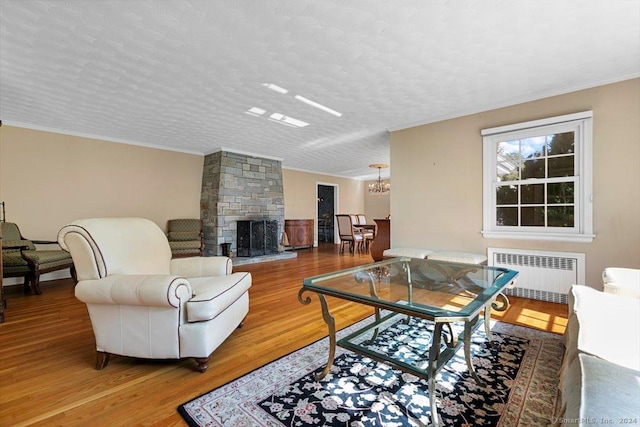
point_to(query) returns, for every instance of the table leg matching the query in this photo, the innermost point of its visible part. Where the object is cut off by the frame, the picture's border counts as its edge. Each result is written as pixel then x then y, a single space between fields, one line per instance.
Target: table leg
pixel 372 291
pixel 407 269
pixel 376 330
pixel 328 319
pixel 331 324
pixel 434 354
pixel 487 323
pixel 467 349
pixel 500 305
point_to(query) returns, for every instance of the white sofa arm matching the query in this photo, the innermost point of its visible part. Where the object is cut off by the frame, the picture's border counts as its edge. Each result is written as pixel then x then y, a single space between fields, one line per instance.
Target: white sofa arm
pixel 621 281
pixel 201 266
pixel 143 290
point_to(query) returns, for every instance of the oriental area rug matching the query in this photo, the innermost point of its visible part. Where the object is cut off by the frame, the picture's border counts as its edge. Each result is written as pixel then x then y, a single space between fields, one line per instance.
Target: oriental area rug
pixel 520 371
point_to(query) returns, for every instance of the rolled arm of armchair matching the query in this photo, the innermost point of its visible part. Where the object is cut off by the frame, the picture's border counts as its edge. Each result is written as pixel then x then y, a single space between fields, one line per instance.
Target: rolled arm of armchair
pixel 622 281
pixel 201 266
pixel 144 290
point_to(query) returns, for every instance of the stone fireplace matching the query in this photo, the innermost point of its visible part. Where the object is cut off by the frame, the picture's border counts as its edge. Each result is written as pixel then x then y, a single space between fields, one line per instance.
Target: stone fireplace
pixel 238 187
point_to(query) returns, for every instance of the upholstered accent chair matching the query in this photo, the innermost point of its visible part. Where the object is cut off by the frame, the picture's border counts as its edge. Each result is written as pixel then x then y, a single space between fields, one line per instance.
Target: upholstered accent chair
pixel 20 258
pixel 142 302
pixel 185 237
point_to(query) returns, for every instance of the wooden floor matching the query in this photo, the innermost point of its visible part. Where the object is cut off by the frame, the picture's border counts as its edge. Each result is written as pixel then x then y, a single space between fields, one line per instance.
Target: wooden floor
pixel 47 349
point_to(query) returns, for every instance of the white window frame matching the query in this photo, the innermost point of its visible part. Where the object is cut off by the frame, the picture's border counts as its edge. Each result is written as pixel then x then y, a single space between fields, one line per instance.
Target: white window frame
pixel 581 124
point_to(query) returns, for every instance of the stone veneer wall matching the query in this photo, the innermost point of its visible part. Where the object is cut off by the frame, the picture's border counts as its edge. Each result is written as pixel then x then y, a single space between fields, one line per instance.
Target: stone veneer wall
pixel 238 187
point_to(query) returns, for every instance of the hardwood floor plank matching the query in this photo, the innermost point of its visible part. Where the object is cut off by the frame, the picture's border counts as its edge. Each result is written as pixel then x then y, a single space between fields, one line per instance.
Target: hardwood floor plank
pixel 48 349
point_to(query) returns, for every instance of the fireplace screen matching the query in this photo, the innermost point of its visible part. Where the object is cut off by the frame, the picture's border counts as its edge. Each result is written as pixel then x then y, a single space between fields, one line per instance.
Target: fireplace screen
pixel 257 237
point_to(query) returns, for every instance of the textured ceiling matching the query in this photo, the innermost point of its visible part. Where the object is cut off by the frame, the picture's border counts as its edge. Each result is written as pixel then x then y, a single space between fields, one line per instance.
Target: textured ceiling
pixel 182 74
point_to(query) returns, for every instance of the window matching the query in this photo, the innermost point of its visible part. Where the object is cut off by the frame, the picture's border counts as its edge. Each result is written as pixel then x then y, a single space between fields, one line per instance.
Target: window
pixel 537 179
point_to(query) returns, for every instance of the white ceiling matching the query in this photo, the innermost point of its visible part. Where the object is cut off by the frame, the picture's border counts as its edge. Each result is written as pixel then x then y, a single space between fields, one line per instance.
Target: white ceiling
pixel 181 74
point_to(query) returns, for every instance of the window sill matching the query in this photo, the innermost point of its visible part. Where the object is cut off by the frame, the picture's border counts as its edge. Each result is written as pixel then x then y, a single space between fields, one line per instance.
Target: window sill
pixel 558 237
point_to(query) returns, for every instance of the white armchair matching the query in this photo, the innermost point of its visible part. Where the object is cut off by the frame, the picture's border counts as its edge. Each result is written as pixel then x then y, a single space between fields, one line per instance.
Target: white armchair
pixel 600 372
pixel 622 281
pixel 144 304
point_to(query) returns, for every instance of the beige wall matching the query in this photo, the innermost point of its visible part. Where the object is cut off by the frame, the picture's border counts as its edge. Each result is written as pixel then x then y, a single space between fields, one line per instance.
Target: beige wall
pixel 375 206
pixel 48 180
pixel 444 211
pixel 300 195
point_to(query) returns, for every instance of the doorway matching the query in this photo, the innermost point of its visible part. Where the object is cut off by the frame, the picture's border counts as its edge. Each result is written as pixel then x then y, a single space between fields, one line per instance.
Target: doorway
pixel 326 195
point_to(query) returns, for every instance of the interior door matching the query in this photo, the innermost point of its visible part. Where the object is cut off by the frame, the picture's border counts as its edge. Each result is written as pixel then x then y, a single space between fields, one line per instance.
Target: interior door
pixel 326 194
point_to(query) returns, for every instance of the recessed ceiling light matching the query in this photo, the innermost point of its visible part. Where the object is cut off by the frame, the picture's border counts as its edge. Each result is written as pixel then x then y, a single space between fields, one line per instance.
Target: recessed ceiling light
pixel 318 106
pixel 275 88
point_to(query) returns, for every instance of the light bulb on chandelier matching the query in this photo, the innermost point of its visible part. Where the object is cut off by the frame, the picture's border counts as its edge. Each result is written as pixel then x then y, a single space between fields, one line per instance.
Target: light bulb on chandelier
pixel 378 187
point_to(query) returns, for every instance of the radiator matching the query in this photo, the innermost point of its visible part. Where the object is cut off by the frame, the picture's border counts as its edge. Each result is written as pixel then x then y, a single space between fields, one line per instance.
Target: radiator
pixel 544 275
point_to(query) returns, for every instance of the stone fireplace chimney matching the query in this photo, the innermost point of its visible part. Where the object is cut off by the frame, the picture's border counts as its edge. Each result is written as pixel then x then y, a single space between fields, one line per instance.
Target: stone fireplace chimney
pixel 238 187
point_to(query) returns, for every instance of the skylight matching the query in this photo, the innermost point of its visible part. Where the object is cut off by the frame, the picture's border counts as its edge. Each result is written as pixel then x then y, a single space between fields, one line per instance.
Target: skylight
pixel 255 111
pixel 318 106
pixel 288 121
pixel 277 117
pixel 275 88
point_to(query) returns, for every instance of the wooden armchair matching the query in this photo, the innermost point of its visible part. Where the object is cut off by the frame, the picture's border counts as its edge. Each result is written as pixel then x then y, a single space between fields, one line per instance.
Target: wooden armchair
pixel 20 258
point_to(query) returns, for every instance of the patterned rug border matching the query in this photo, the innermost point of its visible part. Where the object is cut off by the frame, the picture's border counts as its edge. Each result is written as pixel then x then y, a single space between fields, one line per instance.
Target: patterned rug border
pixel 543 354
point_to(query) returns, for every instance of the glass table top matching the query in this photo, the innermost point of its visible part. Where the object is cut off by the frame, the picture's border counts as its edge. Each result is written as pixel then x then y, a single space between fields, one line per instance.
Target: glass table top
pixel 435 290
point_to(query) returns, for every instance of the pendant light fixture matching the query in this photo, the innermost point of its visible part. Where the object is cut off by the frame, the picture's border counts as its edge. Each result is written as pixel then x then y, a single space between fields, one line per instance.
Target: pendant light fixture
pixel 378 187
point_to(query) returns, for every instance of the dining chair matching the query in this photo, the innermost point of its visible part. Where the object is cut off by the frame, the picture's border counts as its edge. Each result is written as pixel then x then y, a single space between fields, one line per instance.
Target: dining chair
pixel 348 233
pixel 367 230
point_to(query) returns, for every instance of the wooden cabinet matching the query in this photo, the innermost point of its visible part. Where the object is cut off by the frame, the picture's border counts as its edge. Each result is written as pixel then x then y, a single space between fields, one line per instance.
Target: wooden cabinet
pixel 299 232
pixel 382 240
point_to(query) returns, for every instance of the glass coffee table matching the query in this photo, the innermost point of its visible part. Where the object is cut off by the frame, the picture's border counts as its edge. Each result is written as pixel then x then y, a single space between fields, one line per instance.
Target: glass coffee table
pixel 442 292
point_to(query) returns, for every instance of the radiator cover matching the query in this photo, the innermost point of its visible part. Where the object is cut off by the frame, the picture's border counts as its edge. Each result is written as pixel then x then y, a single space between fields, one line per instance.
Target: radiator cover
pixel 544 275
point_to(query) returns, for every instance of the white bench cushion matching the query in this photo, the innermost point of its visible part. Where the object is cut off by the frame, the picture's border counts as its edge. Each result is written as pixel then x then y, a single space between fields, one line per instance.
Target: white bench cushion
pixel 459 257
pixel 406 252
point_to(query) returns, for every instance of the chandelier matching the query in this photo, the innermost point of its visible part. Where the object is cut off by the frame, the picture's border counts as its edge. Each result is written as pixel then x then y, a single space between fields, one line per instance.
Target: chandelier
pixel 378 187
